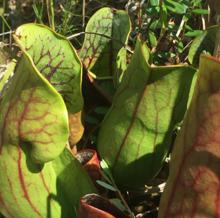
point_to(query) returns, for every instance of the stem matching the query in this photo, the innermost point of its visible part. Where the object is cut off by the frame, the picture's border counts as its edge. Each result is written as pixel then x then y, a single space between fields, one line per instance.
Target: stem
pixel 217 44
pixel 180 27
pixel 122 199
pixel 3 24
pixel 50 13
pixel 139 15
pixel 111 181
pixel 106 174
pixel 100 34
pixel 83 13
pixel 203 22
pixel 215 6
pixel 6 33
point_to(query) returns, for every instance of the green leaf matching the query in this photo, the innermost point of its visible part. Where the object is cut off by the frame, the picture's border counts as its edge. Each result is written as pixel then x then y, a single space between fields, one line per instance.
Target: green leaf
pixel 196 3
pixel 204 42
pixel 73 181
pixel 121 66
pixel 106 170
pixel 101 110
pixel 176 7
pixel 163 17
pixel 104 166
pixel 91 120
pixel 151 11
pixel 154 2
pixel 180 47
pixel 38 177
pixel 33 112
pixel 107 186
pixel 6 73
pixel 152 38
pixel 193 33
pixel 137 131
pixel 56 59
pixel 106 33
pixel 1 11
pixel 200 11
pixel 31 190
pixel 194 167
pixel 117 202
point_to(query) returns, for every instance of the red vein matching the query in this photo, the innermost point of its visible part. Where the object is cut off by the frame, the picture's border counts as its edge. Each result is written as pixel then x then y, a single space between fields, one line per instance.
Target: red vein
pixel 23 185
pixel 176 182
pixel 11 186
pixel 25 110
pixel 185 157
pixel 134 114
pixel 53 71
pixel 10 106
pixel 44 182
